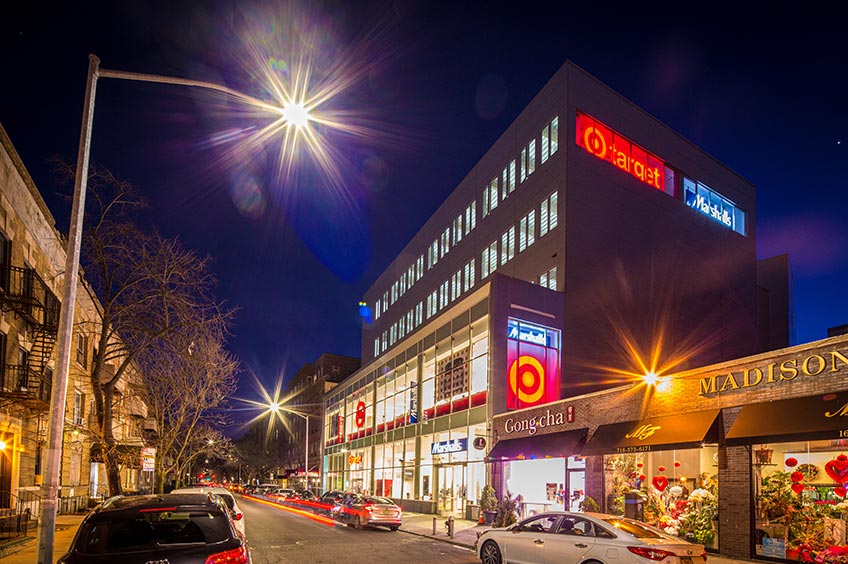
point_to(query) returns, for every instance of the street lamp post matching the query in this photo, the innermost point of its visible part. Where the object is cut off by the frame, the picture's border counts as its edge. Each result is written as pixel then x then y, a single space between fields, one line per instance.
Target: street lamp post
pixel 66 315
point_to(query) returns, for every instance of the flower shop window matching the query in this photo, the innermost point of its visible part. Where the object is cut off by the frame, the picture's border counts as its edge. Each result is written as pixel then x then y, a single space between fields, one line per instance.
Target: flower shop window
pixel 800 508
pixel 675 490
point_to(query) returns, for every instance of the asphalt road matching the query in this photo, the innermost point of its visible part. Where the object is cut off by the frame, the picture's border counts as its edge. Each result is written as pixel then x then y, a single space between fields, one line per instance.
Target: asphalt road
pixel 280 536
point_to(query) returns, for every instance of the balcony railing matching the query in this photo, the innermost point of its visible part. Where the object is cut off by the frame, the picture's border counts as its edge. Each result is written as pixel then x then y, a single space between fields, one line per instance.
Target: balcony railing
pixel 22 384
pixel 23 290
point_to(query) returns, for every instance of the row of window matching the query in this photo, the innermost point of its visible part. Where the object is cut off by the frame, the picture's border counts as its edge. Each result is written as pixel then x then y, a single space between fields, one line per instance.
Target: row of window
pixel 464 223
pixel 464 279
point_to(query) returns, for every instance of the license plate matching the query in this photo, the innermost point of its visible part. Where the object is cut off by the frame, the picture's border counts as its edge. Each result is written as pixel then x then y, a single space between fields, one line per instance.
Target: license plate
pixel 389 512
pixel 686 559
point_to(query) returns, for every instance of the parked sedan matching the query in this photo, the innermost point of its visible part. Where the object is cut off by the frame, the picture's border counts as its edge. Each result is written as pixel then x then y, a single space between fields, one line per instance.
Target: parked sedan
pixel 174 528
pixel 368 511
pixel 562 536
pixel 230 501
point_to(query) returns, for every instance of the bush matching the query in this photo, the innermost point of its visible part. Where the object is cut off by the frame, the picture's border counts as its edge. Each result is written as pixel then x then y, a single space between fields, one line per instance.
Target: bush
pixel 507 513
pixel 488 499
pixel 589 505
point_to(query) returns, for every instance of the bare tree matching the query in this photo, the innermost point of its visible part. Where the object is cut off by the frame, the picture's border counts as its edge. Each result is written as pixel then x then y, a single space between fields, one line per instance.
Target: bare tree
pixel 187 381
pixel 150 289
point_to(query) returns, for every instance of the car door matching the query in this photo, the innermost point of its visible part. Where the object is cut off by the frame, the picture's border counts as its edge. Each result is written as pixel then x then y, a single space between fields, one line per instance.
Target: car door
pixel 572 539
pixel 526 542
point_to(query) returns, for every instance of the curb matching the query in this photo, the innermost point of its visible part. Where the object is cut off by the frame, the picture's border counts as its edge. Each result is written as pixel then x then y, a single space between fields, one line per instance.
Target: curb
pixel 446 540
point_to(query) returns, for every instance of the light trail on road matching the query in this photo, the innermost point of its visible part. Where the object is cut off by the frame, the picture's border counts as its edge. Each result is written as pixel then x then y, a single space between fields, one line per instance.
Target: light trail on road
pixel 313 516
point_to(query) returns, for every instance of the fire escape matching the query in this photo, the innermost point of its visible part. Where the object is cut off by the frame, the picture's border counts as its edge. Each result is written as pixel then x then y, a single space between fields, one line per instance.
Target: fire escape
pixel 28 383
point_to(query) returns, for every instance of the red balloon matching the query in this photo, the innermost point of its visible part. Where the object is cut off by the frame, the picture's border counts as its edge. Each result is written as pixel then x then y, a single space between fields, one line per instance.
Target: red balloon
pixel 797 476
pixel 791 462
pixel 661 468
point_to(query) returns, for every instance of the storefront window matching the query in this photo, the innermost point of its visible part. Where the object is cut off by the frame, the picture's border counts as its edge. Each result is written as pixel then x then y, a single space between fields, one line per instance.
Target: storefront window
pixel 676 491
pixel 801 509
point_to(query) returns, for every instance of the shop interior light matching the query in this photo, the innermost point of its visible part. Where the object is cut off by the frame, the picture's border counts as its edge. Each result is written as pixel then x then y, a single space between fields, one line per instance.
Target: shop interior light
pixel 651 378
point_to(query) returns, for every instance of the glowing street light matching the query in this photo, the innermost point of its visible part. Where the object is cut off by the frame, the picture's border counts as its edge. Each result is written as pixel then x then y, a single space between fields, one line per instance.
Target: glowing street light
pixel 66 315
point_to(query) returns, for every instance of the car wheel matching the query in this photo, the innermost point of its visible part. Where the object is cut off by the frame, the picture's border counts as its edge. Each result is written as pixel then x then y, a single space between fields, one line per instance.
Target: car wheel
pixel 393 528
pixel 490 553
pixel 357 522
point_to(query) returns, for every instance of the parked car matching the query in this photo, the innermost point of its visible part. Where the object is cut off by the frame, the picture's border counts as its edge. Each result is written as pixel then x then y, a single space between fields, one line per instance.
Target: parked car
pixel 229 499
pixel 281 494
pixel 368 511
pixel 562 536
pixel 174 528
pixel 329 499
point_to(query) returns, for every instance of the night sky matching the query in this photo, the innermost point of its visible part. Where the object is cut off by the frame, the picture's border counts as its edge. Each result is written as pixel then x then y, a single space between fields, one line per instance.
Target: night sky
pixel 430 87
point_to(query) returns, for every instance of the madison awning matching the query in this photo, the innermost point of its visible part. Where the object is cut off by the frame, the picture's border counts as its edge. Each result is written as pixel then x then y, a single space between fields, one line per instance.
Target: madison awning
pixel 551 445
pixel 688 430
pixel 808 418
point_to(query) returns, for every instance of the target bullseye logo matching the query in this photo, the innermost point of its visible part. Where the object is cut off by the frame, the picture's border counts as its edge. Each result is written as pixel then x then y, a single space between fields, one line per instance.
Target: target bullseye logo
pixel 360 414
pixel 527 379
pixel 594 142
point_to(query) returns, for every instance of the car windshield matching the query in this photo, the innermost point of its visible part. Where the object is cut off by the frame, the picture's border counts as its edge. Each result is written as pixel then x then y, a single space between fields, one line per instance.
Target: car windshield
pixel 107 534
pixel 635 528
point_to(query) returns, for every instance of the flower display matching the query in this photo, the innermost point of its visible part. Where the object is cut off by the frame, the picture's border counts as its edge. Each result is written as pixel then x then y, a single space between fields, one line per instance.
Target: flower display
pixel 701 496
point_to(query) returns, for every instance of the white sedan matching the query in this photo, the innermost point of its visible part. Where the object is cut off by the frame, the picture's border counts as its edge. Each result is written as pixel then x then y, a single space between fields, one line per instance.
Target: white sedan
pixel 572 538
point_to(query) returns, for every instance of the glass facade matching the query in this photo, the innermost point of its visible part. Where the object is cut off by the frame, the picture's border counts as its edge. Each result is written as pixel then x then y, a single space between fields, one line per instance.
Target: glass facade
pixel 675 490
pixel 800 507
pixel 406 429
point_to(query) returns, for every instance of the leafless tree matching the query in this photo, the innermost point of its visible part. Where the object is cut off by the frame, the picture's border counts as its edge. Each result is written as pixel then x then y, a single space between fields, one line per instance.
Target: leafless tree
pixel 150 289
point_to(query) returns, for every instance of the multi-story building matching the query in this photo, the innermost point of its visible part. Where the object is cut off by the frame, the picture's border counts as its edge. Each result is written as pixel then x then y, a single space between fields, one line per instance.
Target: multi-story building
pixel 32 260
pixel 590 244
pixel 304 395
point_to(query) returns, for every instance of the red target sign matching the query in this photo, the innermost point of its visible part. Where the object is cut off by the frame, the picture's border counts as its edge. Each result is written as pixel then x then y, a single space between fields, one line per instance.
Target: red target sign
pixel 527 379
pixel 360 414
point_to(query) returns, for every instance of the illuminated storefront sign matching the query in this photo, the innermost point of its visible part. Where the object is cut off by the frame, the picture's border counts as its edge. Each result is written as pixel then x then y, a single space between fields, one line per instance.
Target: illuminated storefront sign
pixel 360 414
pixel 611 146
pixel 774 373
pixel 532 365
pixel 354 459
pixel 447 447
pixel 340 423
pixel 713 205
pixel 530 425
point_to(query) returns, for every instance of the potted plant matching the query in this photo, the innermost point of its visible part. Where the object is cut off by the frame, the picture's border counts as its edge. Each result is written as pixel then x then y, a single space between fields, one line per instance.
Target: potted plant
pixel 507 514
pixel 488 504
pixel 589 505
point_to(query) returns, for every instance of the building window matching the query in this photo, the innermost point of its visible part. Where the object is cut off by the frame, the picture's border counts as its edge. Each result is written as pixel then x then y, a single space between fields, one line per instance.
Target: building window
pixel 507 245
pixel 549 279
pixel 508 179
pixel 3 383
pixel 470 217
pixel 527 230
pixel 419 309
pixel 469 276
pixel 79 408
pixel 377 311
pixel 456 285
pixel 377 347
pixel 419 268
pixel 431 305
pixel 549 214
pixel 528 160
pixel 445 242
pixel 457 229
pixel 443 294
pixel 433 254
pixel 550 139
pixel 489 259
pixel 82 350
pixel 490 197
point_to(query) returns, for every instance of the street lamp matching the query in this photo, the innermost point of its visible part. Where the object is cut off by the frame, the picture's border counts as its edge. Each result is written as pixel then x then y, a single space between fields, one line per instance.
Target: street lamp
pixel 305 417
pixel 289 115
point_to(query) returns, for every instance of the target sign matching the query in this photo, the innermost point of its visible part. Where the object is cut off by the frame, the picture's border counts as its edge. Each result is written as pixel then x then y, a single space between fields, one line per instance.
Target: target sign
pixel 360 414
pixel 527 379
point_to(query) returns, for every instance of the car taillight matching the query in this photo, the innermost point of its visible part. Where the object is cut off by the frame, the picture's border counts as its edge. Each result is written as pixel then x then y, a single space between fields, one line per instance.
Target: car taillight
pixel 650 553
pixel 704 555
pixel 235 556
pixel 238 516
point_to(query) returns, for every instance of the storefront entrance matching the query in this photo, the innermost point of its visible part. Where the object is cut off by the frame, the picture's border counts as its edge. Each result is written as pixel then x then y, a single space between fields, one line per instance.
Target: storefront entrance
pixel 451 485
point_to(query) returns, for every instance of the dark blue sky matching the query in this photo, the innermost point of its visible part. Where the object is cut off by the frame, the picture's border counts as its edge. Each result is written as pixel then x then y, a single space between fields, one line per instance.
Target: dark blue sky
pixel 762 90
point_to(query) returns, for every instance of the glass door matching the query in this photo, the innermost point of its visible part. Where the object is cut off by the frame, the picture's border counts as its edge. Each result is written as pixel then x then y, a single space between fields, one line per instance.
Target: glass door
pixel 452 489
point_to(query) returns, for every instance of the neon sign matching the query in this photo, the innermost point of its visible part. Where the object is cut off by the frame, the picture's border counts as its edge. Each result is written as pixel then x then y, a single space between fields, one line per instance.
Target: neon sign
pixel 360 415
pixel 609 145
pixel 446 447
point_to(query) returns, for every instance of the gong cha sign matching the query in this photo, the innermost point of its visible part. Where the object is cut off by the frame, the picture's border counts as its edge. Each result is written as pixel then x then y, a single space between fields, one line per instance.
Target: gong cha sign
pixel 533 367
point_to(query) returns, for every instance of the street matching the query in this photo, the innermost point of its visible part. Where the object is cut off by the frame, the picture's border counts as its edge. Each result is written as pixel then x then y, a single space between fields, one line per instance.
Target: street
pixel 276 535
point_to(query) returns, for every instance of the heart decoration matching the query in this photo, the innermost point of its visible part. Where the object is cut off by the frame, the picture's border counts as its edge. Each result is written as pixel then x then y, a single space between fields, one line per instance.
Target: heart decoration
pixel 797 477
pixel 797 488
pixel 840 491
pixel 660 482
pixel 837 469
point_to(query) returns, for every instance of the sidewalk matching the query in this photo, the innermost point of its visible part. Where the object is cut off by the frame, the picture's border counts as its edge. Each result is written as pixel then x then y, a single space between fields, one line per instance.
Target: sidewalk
pixel 25 550
pixel 465 534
